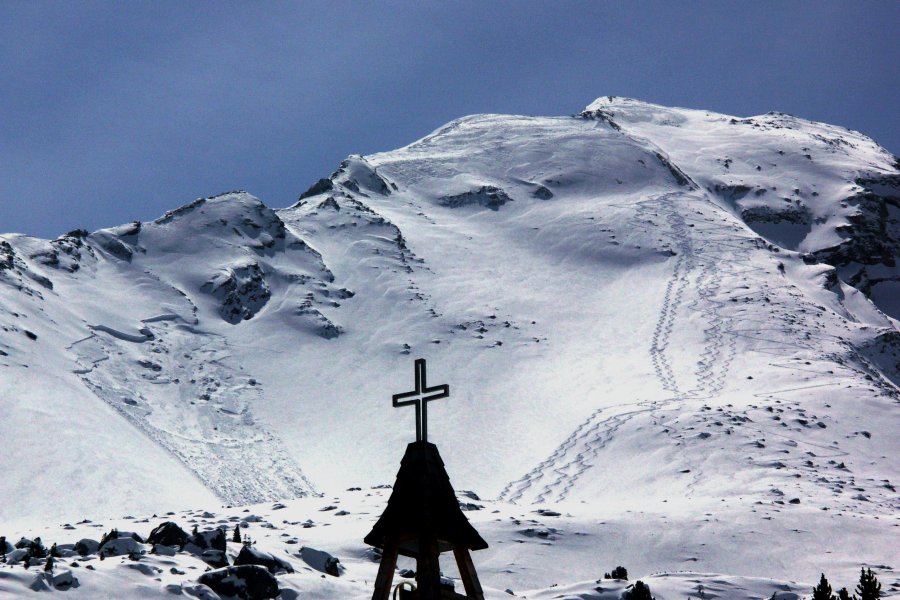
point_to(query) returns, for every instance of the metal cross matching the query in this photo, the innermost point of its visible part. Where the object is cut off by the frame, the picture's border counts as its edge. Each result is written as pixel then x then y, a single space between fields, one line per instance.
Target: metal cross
pixel 421 396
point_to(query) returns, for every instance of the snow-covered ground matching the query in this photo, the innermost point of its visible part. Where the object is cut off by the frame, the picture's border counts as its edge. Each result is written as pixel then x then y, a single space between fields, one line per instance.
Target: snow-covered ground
pixel 674 327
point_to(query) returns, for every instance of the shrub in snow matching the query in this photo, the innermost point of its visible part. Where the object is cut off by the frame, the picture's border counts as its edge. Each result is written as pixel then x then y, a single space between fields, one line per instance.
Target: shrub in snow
pixel 236 536
pixel 868 587
pixel 823 590
pixel 617 573
pixel 640 591
pixel 247 582
pixel 35 547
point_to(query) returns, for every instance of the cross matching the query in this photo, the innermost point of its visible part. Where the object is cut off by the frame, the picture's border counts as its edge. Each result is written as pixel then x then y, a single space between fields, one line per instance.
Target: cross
pixel 421 396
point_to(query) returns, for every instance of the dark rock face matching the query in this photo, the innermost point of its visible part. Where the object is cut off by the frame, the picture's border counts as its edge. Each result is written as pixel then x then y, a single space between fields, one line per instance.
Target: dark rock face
pixel 168 534
pixel 7 256
pixel 242 291
pixel 247 582
pixel 488 196
pixel 873 236
pixel 356 174
pixel 322 185
pixel 252 556
pixel 868 257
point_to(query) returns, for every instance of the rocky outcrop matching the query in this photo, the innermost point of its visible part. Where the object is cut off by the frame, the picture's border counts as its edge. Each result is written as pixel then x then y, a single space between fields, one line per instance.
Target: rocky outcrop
pixel 241 290
pixel 488 196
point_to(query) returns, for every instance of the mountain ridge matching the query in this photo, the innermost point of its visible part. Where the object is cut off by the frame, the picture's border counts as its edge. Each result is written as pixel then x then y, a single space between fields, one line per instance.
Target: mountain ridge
pixel 514 252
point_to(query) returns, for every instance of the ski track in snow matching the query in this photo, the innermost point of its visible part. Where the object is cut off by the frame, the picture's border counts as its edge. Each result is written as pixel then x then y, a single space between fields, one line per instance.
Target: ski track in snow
pixel 708 250
pixel 573 457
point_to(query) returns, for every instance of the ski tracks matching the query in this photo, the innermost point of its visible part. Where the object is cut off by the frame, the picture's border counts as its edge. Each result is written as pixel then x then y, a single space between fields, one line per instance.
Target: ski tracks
pixel 705 252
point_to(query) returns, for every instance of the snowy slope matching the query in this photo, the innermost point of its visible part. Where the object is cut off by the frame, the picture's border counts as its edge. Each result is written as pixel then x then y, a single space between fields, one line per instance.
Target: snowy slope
pixel 637 308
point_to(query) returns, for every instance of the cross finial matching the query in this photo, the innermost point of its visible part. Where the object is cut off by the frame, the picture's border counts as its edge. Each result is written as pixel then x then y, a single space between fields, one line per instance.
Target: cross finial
pixel 420 397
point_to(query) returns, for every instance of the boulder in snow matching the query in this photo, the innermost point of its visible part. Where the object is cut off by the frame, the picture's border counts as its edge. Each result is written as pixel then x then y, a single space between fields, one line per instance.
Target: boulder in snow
pixel 86 546
pixel 168 534
pixel 252 556
pixel 321 561
pixel 214 539
pixel 247 582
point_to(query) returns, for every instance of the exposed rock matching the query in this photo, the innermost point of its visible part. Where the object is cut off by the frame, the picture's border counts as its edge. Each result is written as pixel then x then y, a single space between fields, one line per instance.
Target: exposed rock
pixel 213 539
pixel 321 561
pixel 252 556
pixel 247 582
pixel 319 187
pixel 241 289
pixel 542 192
pixel 488 196
pixel 122 547
pixel 168 534
pixel 86 546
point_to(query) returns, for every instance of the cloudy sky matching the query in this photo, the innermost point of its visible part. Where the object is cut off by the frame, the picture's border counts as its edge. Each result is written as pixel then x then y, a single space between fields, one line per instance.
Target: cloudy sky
pixel 111 112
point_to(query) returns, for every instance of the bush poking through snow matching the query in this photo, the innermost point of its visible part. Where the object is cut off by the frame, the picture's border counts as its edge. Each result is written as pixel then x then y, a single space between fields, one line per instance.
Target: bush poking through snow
pixel 640 591
pixel 619 572
pixel 823 590
pixel 868 587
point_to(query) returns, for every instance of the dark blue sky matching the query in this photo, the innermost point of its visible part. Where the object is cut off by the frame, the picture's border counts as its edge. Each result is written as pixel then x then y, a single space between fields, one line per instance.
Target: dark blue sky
pixel 111 112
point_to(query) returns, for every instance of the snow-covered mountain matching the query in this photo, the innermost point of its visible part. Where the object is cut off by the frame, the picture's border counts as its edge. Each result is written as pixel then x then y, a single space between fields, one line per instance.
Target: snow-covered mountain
pixel 637 308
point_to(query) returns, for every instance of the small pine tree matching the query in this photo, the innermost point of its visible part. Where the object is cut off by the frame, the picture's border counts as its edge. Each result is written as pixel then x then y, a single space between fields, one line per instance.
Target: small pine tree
pixel 640 591
pixel 823 590
pixel 843 594
pixel 619 572
pixel 247 541
pixel 868 588
pixel 48 566
pixel 195 533
pixel 112 535
pixel 54 551
pixel 37 548
pixel 236 537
